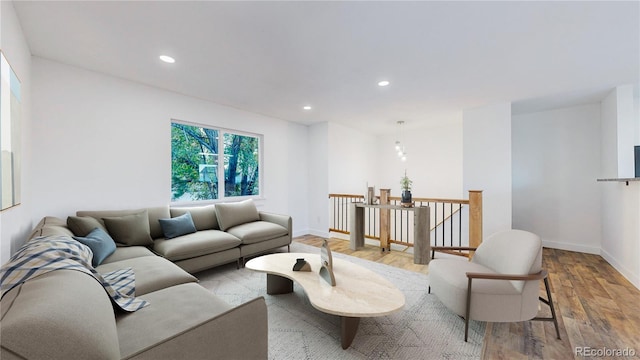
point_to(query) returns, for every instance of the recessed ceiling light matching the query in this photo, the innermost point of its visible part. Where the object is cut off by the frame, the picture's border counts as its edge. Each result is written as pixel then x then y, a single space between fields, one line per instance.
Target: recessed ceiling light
pixel 383 83
pixel 306 107
pixel 167 59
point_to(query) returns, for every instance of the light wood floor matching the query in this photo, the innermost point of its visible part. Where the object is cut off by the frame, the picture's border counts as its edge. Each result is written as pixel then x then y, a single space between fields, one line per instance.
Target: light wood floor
pixel 596 306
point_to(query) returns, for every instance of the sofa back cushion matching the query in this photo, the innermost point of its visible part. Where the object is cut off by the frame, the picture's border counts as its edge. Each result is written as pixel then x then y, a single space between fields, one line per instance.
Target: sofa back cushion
pixel 83 225
pixel 154 213
pixel 130 229
pixel 50 226
pixel 237 213
pixel 204 217
pixel 64 314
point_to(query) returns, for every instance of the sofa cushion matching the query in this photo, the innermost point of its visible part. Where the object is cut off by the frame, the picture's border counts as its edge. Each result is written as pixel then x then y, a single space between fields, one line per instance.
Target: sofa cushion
pixel 196 244
pixel 257 231
pixel 128 252
pixel 204 217
pixel 155 213
pixel 177 226
pixel 449 282
pixel 130 229
pixel 497 253
pixel 152 273
pixel 175 310
pixel 83 225
pixel 100 243
pixel 44 317
pixel 232 214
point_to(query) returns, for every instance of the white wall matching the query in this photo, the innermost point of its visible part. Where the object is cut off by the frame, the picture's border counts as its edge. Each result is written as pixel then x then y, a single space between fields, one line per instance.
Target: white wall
pixel 16 222
pixel 318 170
pixel 296 167
pixel 351 160
pixel 487 162
pixel 346 160
pixel 609 137
pixel 104 143
pixel 556 161
pixel 620 203
pixel 434 162
pixel 627 121
pixel 636 109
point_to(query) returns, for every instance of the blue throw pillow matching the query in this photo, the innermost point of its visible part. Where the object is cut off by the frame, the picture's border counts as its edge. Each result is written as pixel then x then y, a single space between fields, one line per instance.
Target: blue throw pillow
pixel 100 243
pixel 177 226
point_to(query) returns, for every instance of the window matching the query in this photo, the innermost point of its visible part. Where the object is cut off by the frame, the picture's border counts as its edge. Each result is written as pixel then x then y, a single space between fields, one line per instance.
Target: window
pixel 209 163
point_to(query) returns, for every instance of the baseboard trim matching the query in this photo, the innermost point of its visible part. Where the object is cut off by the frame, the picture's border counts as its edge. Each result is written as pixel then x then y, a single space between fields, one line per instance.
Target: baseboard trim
pixel 633 279
pixel 322 234
pixel 571 247
pixel 301 233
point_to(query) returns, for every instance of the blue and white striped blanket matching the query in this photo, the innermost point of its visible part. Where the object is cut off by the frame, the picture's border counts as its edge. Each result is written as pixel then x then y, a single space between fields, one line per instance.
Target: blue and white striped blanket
pixel 45 254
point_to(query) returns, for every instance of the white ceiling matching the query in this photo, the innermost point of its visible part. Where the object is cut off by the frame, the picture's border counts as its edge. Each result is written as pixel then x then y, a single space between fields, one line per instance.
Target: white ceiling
pixel 274 57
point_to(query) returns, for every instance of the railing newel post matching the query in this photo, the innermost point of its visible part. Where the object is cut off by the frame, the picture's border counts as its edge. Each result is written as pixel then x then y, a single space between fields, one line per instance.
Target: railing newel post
pixel 385 224
pixel 475 219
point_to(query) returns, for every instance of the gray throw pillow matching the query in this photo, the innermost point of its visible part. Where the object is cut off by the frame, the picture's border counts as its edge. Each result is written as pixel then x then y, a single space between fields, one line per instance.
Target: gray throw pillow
pixel 130 229
pixel 83 225
pixel 100 243
pixel 177 226
pixel 237 213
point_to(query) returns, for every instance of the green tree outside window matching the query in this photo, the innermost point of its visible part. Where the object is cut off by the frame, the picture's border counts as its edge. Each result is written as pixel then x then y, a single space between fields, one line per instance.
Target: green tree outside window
pixel 195 166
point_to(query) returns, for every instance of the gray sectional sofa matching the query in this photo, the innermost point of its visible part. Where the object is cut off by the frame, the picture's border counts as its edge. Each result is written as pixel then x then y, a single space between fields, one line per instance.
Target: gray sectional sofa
pixel 224 233
pixel 66 314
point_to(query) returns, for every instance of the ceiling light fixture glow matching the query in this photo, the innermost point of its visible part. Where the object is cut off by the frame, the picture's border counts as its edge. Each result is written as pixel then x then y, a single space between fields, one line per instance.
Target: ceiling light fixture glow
pixel 167 59
pixel 383 83
pixel 400 150
pixel 306 107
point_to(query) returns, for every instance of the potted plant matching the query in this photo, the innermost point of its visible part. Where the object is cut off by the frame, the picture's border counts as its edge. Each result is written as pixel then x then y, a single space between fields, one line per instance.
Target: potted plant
pixel 405 185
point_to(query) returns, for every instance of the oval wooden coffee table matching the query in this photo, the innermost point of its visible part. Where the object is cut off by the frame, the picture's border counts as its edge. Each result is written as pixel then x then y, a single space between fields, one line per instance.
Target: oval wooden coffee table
pixel 359 292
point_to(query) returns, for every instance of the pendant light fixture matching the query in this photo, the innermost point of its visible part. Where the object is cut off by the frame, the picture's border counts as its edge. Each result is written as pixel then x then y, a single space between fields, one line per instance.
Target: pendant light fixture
pixel 400 150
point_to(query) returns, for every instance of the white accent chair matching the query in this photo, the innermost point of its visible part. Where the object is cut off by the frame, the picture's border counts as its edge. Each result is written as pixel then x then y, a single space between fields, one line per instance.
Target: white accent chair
pixel 499 284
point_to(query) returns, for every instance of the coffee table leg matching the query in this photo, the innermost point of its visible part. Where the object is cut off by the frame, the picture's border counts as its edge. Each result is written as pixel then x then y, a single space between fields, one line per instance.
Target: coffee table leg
pixel 278 285
pixel 348 330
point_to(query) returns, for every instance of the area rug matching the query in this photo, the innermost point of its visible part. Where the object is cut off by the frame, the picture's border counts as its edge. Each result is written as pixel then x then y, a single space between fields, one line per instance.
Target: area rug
pixel 424 329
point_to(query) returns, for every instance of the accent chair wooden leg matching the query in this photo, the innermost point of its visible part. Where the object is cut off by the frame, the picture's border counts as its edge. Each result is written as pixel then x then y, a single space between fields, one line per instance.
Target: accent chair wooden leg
pixel 549 301
pixel 468 313
pixel 553 310
pixel 289 248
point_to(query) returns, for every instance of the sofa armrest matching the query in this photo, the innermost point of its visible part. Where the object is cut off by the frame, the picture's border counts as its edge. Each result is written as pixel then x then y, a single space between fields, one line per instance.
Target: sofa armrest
pixel 282 220
pixel 239 333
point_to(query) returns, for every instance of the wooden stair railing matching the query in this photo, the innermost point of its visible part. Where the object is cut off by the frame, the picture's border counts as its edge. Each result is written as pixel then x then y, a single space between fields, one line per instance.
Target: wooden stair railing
pixel 378 222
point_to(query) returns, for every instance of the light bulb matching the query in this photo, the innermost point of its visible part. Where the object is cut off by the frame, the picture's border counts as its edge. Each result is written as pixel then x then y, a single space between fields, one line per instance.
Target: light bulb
pixel 167 59
pixel 400 153
pixel 404 157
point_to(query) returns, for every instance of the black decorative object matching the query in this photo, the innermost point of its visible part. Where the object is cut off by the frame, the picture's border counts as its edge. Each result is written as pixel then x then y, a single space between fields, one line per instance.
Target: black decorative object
pixel 405 185
pixel 301 265
pixel 406 196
